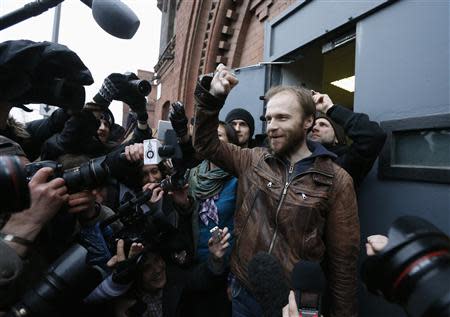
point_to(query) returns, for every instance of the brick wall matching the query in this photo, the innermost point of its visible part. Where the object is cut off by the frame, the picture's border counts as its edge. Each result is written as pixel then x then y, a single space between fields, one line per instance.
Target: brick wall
pixel 206 33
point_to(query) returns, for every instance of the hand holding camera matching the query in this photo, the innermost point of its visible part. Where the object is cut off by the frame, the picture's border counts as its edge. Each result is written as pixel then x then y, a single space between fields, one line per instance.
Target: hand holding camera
pixel 218 243
pixel 124 87
pixel 46 197
pixel 156 190
pixel 223 81
pixel 125 267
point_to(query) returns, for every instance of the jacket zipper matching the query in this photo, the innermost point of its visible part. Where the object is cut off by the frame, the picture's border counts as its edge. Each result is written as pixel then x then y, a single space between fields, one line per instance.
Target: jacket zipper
pixel 283 195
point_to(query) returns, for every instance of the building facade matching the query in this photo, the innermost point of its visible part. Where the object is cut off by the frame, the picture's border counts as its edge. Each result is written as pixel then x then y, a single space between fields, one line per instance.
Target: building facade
pixel 389 59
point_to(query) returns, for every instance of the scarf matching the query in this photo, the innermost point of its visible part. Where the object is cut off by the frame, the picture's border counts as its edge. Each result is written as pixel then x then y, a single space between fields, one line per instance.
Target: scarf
pixel 206 185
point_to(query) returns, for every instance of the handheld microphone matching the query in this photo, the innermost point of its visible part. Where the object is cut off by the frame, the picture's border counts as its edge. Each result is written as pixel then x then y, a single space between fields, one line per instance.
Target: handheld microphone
pixel 269 284
pixel 309 283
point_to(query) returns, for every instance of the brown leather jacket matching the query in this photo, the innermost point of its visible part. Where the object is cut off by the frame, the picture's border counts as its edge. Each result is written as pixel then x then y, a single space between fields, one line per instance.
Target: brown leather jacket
pixel 311 216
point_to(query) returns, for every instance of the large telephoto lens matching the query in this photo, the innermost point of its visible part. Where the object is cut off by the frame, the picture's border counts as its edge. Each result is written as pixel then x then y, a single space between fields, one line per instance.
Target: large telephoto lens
pixel 88 175
pixel 413 269
pixel 14 192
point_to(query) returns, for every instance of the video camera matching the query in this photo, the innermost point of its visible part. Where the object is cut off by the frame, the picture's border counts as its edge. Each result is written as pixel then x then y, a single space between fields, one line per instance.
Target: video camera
pixel 413 270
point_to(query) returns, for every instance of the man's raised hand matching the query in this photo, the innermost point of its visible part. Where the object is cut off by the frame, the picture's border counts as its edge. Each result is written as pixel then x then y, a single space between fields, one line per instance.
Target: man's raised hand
pixel 223 81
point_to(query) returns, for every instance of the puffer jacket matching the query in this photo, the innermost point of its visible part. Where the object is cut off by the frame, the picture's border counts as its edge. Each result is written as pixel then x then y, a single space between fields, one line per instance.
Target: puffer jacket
pixel 310 215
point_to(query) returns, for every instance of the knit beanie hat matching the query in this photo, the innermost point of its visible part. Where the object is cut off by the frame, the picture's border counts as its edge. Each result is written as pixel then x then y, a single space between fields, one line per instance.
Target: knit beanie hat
pixel 338 129
pixel 241 114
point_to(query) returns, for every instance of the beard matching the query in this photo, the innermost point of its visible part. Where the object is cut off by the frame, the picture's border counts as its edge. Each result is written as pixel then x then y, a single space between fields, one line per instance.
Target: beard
pixel 293 141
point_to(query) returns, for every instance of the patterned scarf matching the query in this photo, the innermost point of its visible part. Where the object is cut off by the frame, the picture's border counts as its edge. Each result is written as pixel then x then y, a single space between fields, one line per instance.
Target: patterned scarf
pixel 205 185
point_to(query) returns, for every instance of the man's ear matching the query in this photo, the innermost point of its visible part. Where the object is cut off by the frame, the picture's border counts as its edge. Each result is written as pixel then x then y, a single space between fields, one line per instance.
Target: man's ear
pixel 308 123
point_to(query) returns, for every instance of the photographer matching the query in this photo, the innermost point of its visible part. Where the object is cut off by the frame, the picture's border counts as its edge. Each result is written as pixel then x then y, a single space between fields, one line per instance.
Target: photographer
pixel 162 286
pixel 89 131
pixel 39 72
pixel 21 230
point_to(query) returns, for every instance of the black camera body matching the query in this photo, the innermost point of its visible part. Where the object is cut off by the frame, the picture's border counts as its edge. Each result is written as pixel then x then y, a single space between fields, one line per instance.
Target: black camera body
pixel 152 227
pixel 139 86
pixel 32 168
pixel 176 181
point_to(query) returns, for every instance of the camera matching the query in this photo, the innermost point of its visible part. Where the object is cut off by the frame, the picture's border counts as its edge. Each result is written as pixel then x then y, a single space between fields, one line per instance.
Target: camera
pixel 413 270
pixel 14 178
pixel 14 193
pixel 140 86
pixel 88 175
pixel 154 228
pixel 68 280
pixel 176 181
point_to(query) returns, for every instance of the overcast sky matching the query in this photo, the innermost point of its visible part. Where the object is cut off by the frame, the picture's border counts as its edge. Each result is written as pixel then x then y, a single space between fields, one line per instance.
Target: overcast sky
pixel 101 53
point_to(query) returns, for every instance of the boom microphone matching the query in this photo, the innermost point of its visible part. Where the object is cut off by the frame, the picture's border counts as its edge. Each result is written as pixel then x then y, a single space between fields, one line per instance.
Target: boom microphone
pixel 115 17
pixel 269 284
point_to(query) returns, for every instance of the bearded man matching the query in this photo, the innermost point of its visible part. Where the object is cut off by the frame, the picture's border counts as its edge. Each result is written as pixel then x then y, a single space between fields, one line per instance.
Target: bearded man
pixel 293 201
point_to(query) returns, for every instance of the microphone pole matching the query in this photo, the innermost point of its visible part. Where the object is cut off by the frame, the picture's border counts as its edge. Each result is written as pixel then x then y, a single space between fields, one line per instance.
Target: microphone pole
pixel 27 11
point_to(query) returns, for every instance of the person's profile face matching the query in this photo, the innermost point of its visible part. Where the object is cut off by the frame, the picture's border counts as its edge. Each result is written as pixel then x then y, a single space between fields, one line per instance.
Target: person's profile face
pixel 322 132
pixel 222 134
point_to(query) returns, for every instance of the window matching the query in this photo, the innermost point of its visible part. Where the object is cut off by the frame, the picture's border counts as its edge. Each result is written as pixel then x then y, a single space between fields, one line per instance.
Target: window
pixel 417 149
pixel 165 111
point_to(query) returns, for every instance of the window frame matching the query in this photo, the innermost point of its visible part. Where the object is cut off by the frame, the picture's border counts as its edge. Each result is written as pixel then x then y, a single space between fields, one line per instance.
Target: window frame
pixel 386 170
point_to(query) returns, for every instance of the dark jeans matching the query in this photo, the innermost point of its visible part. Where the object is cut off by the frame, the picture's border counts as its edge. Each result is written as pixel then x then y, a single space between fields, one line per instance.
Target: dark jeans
pixel 243 302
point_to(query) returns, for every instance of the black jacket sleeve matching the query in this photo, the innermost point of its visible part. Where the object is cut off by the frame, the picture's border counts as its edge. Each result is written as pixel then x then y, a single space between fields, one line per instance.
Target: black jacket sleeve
pixel 368 140
pixel 43 129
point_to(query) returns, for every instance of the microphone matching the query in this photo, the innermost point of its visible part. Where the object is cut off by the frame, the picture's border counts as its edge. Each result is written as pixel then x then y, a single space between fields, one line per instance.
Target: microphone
pixel 309 283
pixel 163 151
pixel 268 283
pixel 115 17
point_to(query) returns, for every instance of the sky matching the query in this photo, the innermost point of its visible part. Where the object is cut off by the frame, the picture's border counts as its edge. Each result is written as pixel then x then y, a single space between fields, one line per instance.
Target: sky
pixel 101 52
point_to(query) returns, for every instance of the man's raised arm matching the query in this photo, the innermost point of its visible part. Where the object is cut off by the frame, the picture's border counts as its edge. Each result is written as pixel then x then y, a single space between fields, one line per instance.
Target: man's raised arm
pixel 210 95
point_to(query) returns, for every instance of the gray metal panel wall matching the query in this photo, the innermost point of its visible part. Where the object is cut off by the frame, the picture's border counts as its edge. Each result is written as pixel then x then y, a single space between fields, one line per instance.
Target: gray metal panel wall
pixel 306 21
pixel 402 70
pixel 246 94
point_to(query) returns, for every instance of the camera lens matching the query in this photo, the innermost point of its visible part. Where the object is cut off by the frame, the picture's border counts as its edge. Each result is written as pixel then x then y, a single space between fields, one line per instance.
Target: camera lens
pixel 143 86
pixel 14 192
pixel 88 175
pixel 413 270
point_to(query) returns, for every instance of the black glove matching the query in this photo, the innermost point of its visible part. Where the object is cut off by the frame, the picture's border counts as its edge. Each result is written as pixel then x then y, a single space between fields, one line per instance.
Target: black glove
pixel 178 118
pixel 118 87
